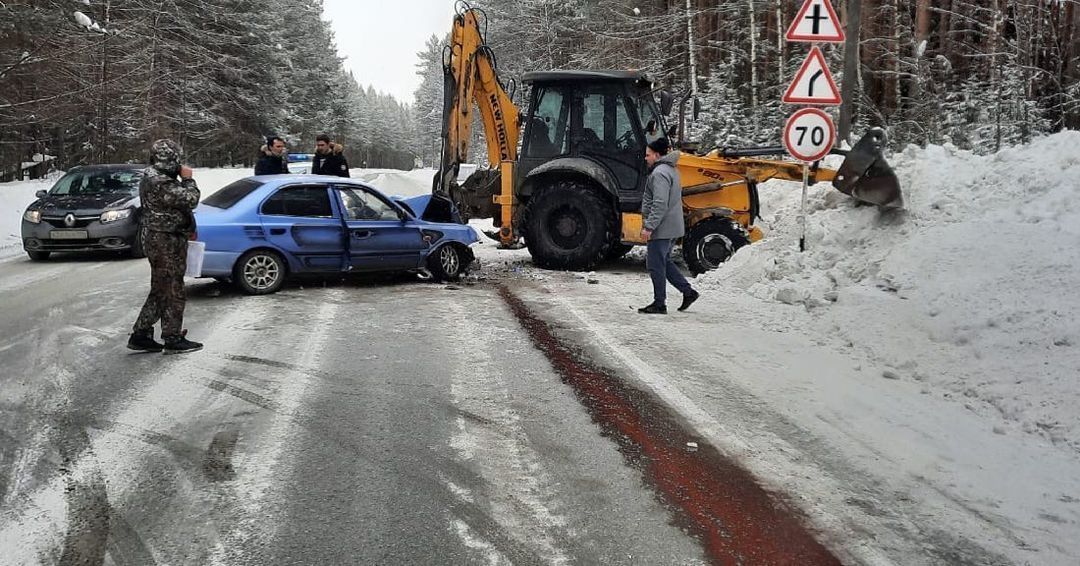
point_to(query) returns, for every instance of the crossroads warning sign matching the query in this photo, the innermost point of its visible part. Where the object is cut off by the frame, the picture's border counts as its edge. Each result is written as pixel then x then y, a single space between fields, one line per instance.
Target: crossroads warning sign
pixel 816 21
pixel 813 83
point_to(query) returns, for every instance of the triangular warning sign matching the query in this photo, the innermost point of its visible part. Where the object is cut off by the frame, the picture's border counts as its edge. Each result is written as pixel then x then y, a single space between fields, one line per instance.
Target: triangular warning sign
pixel 813 83
pixel 816 21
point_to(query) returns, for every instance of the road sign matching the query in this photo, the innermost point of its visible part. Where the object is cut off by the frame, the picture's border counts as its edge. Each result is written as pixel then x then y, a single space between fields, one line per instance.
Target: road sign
pixel 816 21
pixel 813 83
pixel 809 134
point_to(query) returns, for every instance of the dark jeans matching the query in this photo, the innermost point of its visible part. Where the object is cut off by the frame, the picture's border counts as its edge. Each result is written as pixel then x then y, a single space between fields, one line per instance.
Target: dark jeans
pixel 662 269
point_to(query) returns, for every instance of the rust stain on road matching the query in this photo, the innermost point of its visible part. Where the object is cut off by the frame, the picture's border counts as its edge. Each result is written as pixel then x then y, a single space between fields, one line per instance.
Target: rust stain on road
pixel 737 521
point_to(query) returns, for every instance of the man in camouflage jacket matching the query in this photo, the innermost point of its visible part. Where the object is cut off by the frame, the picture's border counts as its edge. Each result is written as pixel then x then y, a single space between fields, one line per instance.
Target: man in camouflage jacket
pixel 168 198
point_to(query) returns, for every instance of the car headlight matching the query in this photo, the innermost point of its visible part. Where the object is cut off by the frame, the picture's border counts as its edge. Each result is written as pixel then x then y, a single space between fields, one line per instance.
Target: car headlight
pixel 114 215
pixel 32 216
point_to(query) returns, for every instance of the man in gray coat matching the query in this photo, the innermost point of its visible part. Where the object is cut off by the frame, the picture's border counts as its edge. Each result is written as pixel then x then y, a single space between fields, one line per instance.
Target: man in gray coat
pixel 661 210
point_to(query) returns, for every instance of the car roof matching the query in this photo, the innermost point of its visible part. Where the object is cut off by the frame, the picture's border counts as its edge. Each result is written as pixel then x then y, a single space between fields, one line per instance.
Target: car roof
pixel 110 167
pixel 307 178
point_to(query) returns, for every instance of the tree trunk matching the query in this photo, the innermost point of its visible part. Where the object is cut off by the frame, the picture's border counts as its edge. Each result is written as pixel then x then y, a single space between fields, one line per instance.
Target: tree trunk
pixel 922 21
pixel 853 27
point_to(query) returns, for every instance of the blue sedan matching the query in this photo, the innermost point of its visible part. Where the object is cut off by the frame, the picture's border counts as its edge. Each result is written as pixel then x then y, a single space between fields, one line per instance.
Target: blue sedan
pixel 260 230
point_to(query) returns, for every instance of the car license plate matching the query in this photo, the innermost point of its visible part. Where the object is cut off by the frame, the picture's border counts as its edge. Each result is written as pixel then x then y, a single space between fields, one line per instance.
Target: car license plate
pixel 69 235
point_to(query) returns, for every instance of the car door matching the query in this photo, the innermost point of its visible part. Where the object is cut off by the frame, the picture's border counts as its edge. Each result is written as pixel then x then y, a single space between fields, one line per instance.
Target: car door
pixel 379 238
pixel 299 220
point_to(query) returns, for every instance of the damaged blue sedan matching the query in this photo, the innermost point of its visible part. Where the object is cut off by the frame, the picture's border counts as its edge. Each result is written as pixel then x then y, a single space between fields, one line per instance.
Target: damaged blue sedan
pixel 259 231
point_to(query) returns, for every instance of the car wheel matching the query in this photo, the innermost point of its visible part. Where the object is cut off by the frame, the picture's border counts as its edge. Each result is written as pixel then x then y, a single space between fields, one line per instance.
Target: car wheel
pixel 260 272
pixel 137 250
pixel 448 262
pixel 38 256
pixel 711 242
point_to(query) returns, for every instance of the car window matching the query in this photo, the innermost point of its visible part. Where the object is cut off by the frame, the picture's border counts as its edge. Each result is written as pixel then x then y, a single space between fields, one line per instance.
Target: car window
pixel 125 181
pixel 359 204
pixel 232 193
pixel 304 200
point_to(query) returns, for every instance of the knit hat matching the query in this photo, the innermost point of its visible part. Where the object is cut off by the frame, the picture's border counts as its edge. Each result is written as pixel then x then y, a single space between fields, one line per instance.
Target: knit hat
pixel 660 145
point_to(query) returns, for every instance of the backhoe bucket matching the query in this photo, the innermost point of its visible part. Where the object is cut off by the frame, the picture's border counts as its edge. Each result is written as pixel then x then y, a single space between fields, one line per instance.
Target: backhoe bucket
pixel 866 176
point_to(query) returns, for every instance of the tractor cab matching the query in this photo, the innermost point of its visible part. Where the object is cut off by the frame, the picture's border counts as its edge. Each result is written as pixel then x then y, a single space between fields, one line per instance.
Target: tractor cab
pixel 594 122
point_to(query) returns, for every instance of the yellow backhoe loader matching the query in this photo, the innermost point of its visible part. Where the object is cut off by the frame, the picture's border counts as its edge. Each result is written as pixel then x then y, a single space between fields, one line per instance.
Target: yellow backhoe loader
pixel 573 191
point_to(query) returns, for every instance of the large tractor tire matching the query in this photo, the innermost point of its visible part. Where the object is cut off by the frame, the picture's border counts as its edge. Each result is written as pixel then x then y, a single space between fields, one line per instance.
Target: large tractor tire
pixel 711 242
pixel 569 225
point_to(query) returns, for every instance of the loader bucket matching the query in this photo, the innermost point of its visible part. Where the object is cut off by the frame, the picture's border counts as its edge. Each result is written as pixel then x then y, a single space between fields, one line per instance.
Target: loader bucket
pixel 866 176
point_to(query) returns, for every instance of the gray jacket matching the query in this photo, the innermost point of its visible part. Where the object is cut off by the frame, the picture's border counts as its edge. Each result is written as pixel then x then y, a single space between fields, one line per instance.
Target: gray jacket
pixel 661 205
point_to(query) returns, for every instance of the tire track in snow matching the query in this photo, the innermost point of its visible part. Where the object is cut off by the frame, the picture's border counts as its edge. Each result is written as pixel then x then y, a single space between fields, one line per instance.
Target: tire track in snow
pixel 497 445
pixel 258 465
pixel 37 523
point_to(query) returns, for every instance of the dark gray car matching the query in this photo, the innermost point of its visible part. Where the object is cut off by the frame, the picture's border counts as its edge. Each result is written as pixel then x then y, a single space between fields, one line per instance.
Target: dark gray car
pixel 95 207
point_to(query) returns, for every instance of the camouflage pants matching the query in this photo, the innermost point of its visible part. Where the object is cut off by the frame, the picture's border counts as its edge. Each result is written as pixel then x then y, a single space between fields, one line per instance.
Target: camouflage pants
pixel 167 253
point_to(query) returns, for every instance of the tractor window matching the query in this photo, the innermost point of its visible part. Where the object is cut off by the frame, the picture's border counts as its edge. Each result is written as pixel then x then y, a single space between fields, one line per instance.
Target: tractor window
pixel 606 124
pixel 548 127
pixel 593 123
pixel 650 118
pixel 626 139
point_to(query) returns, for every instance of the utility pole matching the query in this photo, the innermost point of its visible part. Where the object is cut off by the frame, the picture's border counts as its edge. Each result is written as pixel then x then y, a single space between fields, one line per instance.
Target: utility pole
pixel 851 69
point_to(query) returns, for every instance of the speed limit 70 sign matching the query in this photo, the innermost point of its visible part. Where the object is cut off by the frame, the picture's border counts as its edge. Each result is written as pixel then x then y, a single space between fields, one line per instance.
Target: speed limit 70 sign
pixel 809 135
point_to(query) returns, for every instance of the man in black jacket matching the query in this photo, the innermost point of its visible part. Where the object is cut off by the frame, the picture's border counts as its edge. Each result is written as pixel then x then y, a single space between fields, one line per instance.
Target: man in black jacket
pixel 272 158
pixel 329 159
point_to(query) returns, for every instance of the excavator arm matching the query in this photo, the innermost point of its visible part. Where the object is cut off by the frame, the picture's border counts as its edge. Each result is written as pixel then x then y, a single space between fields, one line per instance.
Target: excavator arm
pixel 471 79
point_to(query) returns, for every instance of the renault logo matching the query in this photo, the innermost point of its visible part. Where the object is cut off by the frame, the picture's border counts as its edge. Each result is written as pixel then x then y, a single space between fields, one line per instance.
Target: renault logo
pixel 69 220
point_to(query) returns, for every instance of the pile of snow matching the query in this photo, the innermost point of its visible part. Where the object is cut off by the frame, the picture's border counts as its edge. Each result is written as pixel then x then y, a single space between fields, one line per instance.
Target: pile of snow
pixel 970 290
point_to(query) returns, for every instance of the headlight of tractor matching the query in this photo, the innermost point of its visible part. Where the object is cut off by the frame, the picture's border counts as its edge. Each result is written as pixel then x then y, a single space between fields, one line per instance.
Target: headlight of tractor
pixel 32 216
pixel 114 215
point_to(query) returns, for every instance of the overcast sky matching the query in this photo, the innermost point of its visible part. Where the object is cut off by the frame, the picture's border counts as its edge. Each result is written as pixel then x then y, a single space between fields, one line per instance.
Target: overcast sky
pixel 379 39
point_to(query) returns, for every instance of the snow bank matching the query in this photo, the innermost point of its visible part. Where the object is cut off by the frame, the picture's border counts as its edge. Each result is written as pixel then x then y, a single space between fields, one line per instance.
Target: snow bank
pixel 970 290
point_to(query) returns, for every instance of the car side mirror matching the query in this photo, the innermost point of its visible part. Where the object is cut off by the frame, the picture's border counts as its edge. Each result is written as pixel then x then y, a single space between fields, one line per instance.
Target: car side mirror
pixel 650 128
pixel 41 193
pixel 667 102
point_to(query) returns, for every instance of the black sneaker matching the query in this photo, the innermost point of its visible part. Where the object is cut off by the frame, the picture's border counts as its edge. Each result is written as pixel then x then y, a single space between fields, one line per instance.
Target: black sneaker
pixel 181 345
pixel 144 342
pixel 688 299
pixel 653 309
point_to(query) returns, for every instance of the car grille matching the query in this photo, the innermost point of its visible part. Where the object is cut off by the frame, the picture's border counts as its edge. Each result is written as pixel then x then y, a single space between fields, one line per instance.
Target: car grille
pixel 80 221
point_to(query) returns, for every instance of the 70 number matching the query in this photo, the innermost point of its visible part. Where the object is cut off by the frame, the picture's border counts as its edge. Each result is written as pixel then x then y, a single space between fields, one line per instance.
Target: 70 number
pixel 817 135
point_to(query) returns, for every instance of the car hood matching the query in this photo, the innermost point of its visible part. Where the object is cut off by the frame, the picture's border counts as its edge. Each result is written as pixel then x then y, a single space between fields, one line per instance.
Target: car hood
pixel 105 201
pixel 444 211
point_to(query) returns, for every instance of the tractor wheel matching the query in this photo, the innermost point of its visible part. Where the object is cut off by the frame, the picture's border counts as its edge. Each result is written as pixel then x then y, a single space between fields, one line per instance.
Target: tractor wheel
pixel 711 242
pixel 569 225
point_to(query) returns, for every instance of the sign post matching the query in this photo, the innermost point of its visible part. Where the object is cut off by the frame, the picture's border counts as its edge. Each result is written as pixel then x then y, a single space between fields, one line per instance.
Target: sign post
pixel 809 134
